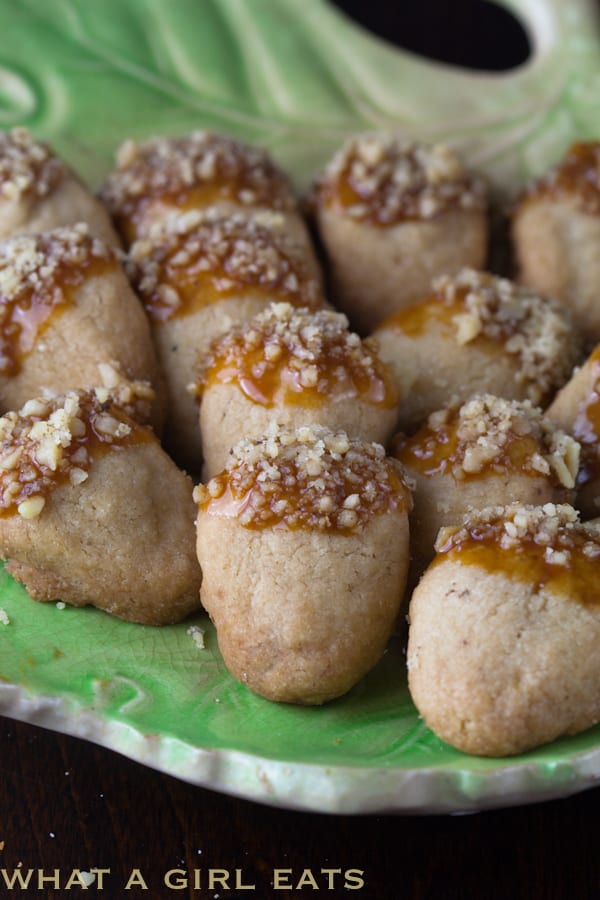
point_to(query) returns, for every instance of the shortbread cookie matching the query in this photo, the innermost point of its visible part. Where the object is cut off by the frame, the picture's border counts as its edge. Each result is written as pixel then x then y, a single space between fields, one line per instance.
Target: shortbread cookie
pixel 489 451
pixel 199 275
pixel 196 171
pixel 556 232
pixel 38 191
pixel 504 630
pixel 93 511
pixel 293 367
pixel 66 308
pixel 477 333
pixel 392 215
pixel 303 543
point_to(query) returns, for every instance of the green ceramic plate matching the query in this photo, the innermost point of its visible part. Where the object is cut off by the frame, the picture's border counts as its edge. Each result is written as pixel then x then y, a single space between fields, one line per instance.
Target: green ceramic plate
pixel 297 77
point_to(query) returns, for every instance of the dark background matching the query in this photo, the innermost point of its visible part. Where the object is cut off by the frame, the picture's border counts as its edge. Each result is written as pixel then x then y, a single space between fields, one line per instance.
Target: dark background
pixel 67 804
pixel 470 33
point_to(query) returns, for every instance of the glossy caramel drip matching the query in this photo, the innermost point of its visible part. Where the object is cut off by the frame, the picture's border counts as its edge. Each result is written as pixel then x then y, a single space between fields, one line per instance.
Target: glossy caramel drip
pixel 191 172
pixel 416 319
pixel 296 501
pixel 42 448
pixel 574 577
pixel 437 450
pixel 575 179
pixel 27 310
pixel 282 379
pixel 201 196
pixel 196 288
pixel 202 259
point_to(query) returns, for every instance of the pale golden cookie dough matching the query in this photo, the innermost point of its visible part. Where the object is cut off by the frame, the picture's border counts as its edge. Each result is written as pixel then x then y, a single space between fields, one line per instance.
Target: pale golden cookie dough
pixel 556 234
pixel 66 308
pixel 392 215
pixel 38 191
pixel 504 630
pixel 303 543
pixel 476 333
pixel 93 511
pixel 200 275
pixel 576 409
pixel 488 452
pixel 199 170
pixel 293 367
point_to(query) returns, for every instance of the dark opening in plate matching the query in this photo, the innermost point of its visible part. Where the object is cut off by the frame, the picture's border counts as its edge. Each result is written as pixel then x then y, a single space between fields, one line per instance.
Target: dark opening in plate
pixel 474 34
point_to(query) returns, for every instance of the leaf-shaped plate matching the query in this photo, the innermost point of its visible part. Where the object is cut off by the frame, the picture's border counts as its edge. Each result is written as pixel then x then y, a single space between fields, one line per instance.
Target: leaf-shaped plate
pixel 298 78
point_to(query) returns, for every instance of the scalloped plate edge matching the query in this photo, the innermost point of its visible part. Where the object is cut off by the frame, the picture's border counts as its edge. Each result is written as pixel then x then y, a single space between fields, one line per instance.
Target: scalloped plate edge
pixel 342 790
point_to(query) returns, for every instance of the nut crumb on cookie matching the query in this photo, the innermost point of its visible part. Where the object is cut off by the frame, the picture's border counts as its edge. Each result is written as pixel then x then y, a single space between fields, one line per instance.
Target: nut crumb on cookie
pixel 37 275
pixel 302 356
pixel 491 435
pixel 27 166
pixel 202 163
pixel 547 545
pixel 536 331
pixel 202 256
pixel 309 478
pixel 53 441
pixel 384 180
pixel 574 180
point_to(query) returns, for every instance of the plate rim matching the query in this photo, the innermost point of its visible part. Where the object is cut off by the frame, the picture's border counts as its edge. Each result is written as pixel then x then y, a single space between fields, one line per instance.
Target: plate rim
pixel 312 787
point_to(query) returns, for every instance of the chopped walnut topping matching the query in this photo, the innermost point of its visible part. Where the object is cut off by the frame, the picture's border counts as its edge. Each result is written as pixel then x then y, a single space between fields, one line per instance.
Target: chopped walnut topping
pixel 134 397
pixel 384 180
pixel 309 478
pixel 53 441
pixel 574 180
pixel 197 257
pixel 294 355
pixel 551 533
pixel 172 168
pixel 490 435
pixel 536 330
pixel 27 166
pixel 37 273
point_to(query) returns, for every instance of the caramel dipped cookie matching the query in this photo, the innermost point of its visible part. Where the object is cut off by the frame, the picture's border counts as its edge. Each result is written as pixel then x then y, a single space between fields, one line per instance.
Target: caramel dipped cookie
pixel 303 543
pixel 38 191
pixel 93 511
pixel 196 171
pixel 504 629
pixel 556 234
pixel 198 277
pixel 293 367
pixel 392 215
pixel 487 452
pixel 476 333
pixel 66 307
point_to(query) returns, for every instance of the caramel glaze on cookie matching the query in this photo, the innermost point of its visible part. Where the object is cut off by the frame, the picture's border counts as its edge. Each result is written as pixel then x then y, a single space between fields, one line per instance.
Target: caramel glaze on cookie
pixel 38 191
pixel 303 543
pixel 84 491
pixel 503 630
pixel 392 215
pixel 294 367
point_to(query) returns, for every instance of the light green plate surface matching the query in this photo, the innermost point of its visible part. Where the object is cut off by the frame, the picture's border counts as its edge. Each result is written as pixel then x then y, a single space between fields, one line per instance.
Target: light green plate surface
pixel 297 77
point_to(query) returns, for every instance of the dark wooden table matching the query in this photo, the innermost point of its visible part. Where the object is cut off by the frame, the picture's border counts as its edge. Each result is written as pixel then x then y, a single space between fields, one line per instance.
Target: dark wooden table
pixel 67 805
